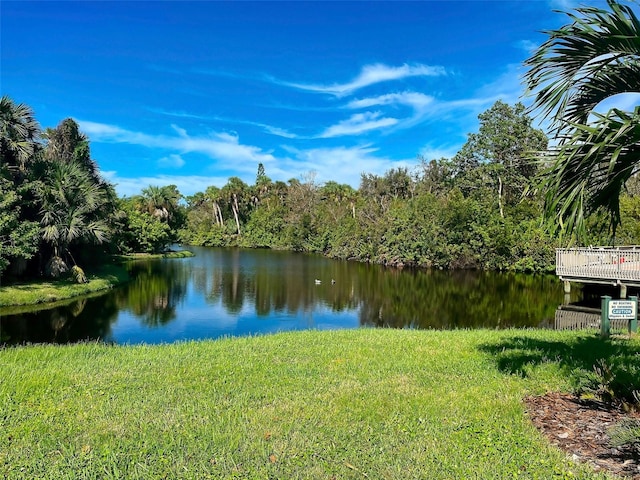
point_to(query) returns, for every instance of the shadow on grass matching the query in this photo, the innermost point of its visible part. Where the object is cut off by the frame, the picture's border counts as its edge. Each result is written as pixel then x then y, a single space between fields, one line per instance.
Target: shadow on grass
pixel 606 368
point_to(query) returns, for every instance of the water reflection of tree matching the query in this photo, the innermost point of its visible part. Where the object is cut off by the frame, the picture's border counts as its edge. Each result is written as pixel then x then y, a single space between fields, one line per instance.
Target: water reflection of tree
pixel 276 282
pixel 81 320
pixel 154 291
pixel 459 299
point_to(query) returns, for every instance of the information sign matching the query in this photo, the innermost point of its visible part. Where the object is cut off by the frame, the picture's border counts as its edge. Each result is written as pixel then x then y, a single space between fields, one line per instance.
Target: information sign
pixel 622 309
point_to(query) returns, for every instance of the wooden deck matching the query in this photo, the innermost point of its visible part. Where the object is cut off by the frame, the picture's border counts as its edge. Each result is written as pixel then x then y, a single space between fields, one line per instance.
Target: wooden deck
pixel 604 265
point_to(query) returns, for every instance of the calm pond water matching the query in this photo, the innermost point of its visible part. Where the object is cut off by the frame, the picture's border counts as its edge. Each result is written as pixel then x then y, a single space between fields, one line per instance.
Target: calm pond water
pixel 232 292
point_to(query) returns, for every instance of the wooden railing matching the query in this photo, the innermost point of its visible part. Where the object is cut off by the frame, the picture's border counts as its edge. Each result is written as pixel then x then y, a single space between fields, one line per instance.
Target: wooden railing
pixel 569 319
pixel 616 265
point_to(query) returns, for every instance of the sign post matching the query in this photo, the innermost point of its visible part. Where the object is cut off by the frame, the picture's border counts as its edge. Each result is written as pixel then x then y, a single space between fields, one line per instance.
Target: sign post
pixel 618 310
pixel 605 326
pixel 633 323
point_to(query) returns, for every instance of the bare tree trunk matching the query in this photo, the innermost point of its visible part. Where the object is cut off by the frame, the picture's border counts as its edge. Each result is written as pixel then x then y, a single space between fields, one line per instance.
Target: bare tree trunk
pixel 235 211
pixel 500 196
pixel 218 213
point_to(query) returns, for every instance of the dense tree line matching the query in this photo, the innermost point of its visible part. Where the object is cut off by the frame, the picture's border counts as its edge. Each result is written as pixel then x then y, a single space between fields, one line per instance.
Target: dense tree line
pixel 479 209
pixel 57 212
pixel 476 210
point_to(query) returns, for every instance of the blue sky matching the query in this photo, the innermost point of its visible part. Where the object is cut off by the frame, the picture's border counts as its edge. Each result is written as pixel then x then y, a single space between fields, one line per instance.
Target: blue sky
pixel 192 93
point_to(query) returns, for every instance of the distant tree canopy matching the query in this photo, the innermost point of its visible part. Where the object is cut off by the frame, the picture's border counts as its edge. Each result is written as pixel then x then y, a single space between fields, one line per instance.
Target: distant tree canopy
pixel 473 211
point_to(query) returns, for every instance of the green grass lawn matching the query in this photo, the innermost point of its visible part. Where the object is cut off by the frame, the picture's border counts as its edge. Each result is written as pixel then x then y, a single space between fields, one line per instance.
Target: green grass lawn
pixel 38 292
pixel 147 256
pixel 377 404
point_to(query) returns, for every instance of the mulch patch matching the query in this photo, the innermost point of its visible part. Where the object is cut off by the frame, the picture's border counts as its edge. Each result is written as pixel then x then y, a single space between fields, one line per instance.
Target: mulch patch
pixel 580 428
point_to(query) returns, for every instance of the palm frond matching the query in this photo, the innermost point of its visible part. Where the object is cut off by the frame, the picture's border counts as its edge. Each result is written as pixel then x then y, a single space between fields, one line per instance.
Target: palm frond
pixel 590 167
pixel 72 205
pixel 19 133
pixel 593 58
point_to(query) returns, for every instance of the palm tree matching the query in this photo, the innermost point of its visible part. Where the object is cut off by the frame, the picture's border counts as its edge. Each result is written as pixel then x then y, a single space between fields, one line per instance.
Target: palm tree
pixel 72 210
pixel 214 196
pixel 161 202
pixel 19 135
pixel 235 192
pixel 66 142
pixel 582 64
pixel 340 195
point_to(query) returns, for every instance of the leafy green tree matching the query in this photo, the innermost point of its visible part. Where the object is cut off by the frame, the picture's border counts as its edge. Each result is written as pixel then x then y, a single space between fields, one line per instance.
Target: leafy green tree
pixel 499 155
pixel 144 232
pixel 19 238
pixel 587 61
pixel 629 231
pixel 163 204
pixel 265 227
pixel 338 199
pixel 261 176
pixel 203 223
pixel 395 183
pixel 206 214
pixel 410 232
pixel 263 185
pixel 301 213
pixel 76 204
pixel 435 176
pixel 20 148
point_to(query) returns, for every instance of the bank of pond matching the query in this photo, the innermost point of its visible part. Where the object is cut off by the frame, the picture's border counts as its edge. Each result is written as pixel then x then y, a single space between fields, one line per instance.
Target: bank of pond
pixel 24 296
pixel 235 292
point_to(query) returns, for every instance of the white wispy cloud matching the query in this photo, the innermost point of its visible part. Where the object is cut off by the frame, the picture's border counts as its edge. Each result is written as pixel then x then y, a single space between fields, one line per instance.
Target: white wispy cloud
pixel 344 164
pixel 413 99
pixel 179 114
pixel 370 75
pixel 427 108
pixel 171 161
pixel 217 146
pixel 422 106
pixel 187 184
pixel 527 45
pixel 357 124
pixel 341 164
pixel 507 86
pixel 434 152
pixel 623 101
pixel 565 5
pixel 280 132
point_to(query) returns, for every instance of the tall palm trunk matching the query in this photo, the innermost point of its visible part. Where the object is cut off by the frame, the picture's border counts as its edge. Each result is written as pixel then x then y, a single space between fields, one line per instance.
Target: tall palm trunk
pixel 234 207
